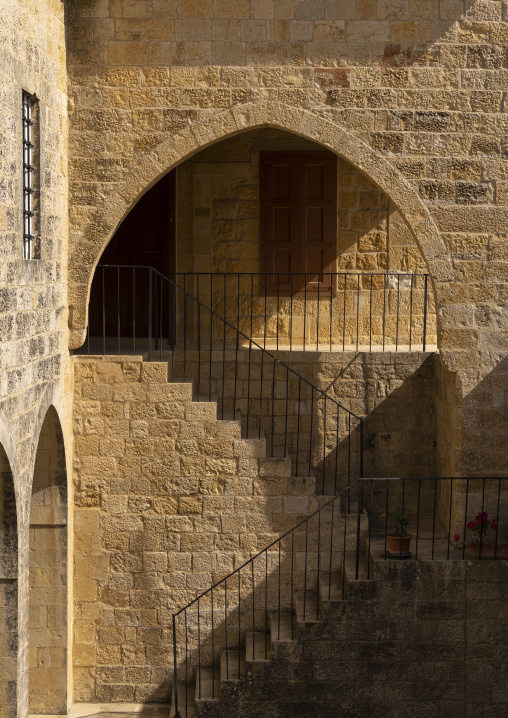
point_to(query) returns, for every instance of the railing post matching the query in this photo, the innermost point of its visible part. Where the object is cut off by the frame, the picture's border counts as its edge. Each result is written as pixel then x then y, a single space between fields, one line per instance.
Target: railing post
pixel 150 314
pixel 177 712
pixel 358 526
pixel 361 448
pixel 425 312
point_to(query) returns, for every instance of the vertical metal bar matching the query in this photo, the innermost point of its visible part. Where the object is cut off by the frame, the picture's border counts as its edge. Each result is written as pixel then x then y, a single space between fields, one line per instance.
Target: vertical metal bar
pixel 150 298
pixel 481 525
pixel 344 318
pixel 160 315
pixel 291 316
pixel 370 310
pixel 318 563
pixel 292 576
pixel 156 296
pixel 226 621
pixel 386 514
pixel 449 521
pixel 264 327
pixel 184 336
pixel 336 452
pixel 253 610
pixel 418 519
pixel 344 546
pixel 465 519
pixel 261 395
pixel 304 307
pixel 175 667
pixel 213 649
pixel 286 424
pixel 239 622
pixel 331 309
pixel 236 374
pixel 402 523
pixel 369 525
pixel 349 454
pixel 251 298
pixel 411 312
pixel 273 404
pixel 211 340
pixel 186 666
pixel 118 307
pixel 223 352
pixel 172 314
pixel 298 423
pixel 497 514
pixel 361 447
pixel 199 655
pixel 103 315
pixel 358 526
pixel 199 336
pixel 248 390
pixel 311 421
pixel 278 307
pixel 238 312
pixel 305 570
pixel 357 310
pixel 266 604
pixel 384 309
pixel 88 336
pixel 134 310
pixel 434 518
pixel 317 319
pixel 324 447
pixel 425 312
pixel 398 312
pixel 278 610
pixel 331 553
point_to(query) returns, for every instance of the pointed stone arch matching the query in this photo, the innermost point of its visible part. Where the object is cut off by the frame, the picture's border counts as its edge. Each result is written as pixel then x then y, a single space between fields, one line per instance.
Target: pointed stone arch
pixel 47 633
pixel 8 589
pixel 93 238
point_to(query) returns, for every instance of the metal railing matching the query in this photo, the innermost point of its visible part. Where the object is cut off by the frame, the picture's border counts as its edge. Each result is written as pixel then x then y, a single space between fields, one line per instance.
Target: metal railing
pixel 437 518
pixel 340 311
pixel 299 420
pixel 319 557
pixel 307 561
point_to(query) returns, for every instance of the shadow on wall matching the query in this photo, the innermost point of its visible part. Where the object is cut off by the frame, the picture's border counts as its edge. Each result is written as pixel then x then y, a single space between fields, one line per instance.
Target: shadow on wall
pixel 48 573
pixel 8 590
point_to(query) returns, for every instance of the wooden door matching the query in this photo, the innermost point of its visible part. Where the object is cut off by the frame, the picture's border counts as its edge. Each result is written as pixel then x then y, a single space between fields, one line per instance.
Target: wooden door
pixel 145 238
pixel 298 202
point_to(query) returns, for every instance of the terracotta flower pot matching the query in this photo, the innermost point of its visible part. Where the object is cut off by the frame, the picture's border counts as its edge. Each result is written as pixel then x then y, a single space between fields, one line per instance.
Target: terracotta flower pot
pixel 488 551
pixel 399 545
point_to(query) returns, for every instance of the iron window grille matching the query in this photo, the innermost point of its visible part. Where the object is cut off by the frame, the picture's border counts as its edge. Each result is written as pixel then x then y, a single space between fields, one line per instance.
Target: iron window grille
pixel 28 172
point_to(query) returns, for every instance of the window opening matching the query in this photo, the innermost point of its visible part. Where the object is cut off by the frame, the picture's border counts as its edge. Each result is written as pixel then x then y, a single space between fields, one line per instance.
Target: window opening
pixel 28 171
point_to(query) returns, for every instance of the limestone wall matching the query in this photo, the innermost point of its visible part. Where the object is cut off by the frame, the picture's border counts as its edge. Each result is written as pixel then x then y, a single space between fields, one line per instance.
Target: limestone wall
pixel 167 501
pixel 412 95
pixel 34 370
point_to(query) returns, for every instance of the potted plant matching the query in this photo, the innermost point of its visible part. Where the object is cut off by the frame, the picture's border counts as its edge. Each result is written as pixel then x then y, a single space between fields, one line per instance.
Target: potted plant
pixel 399 541
pixel 482 541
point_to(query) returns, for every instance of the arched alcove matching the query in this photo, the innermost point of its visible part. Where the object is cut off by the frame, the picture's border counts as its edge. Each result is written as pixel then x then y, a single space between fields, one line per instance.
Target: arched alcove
pixel 8 589
pixel 92 238
pixel 48 573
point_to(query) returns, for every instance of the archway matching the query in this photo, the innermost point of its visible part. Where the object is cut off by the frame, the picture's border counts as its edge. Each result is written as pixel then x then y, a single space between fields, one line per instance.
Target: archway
pixel 8 589
pixel 48 573
pixel 96 234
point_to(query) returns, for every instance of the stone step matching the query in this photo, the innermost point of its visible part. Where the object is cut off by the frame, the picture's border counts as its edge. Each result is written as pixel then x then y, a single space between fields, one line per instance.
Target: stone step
pixel 308 608
pixel 207 684
pixel 258 646
pixel 282 626
pixel 186 704
pixel 229 662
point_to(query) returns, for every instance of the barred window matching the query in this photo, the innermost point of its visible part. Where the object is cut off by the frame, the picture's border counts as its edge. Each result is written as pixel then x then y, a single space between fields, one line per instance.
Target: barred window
pixel 30 246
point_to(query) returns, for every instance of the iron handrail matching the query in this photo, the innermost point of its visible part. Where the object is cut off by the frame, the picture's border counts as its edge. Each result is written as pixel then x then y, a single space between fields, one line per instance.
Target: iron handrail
pixel 235 329
pixel 291 532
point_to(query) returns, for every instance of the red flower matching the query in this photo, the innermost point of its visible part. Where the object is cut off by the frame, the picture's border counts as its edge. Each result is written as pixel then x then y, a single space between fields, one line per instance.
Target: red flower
pixel 471 525
pixel 494 524
pixel 456 538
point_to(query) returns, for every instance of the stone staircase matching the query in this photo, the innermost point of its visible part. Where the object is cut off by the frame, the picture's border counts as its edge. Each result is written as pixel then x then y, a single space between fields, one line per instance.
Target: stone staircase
pixel 247 674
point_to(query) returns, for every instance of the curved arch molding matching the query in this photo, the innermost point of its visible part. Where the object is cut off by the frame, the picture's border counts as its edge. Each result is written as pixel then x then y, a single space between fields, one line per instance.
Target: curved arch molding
pixel 92 239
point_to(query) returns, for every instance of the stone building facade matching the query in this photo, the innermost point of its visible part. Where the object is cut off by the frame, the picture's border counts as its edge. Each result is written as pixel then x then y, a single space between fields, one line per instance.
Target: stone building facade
pixel 410 95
